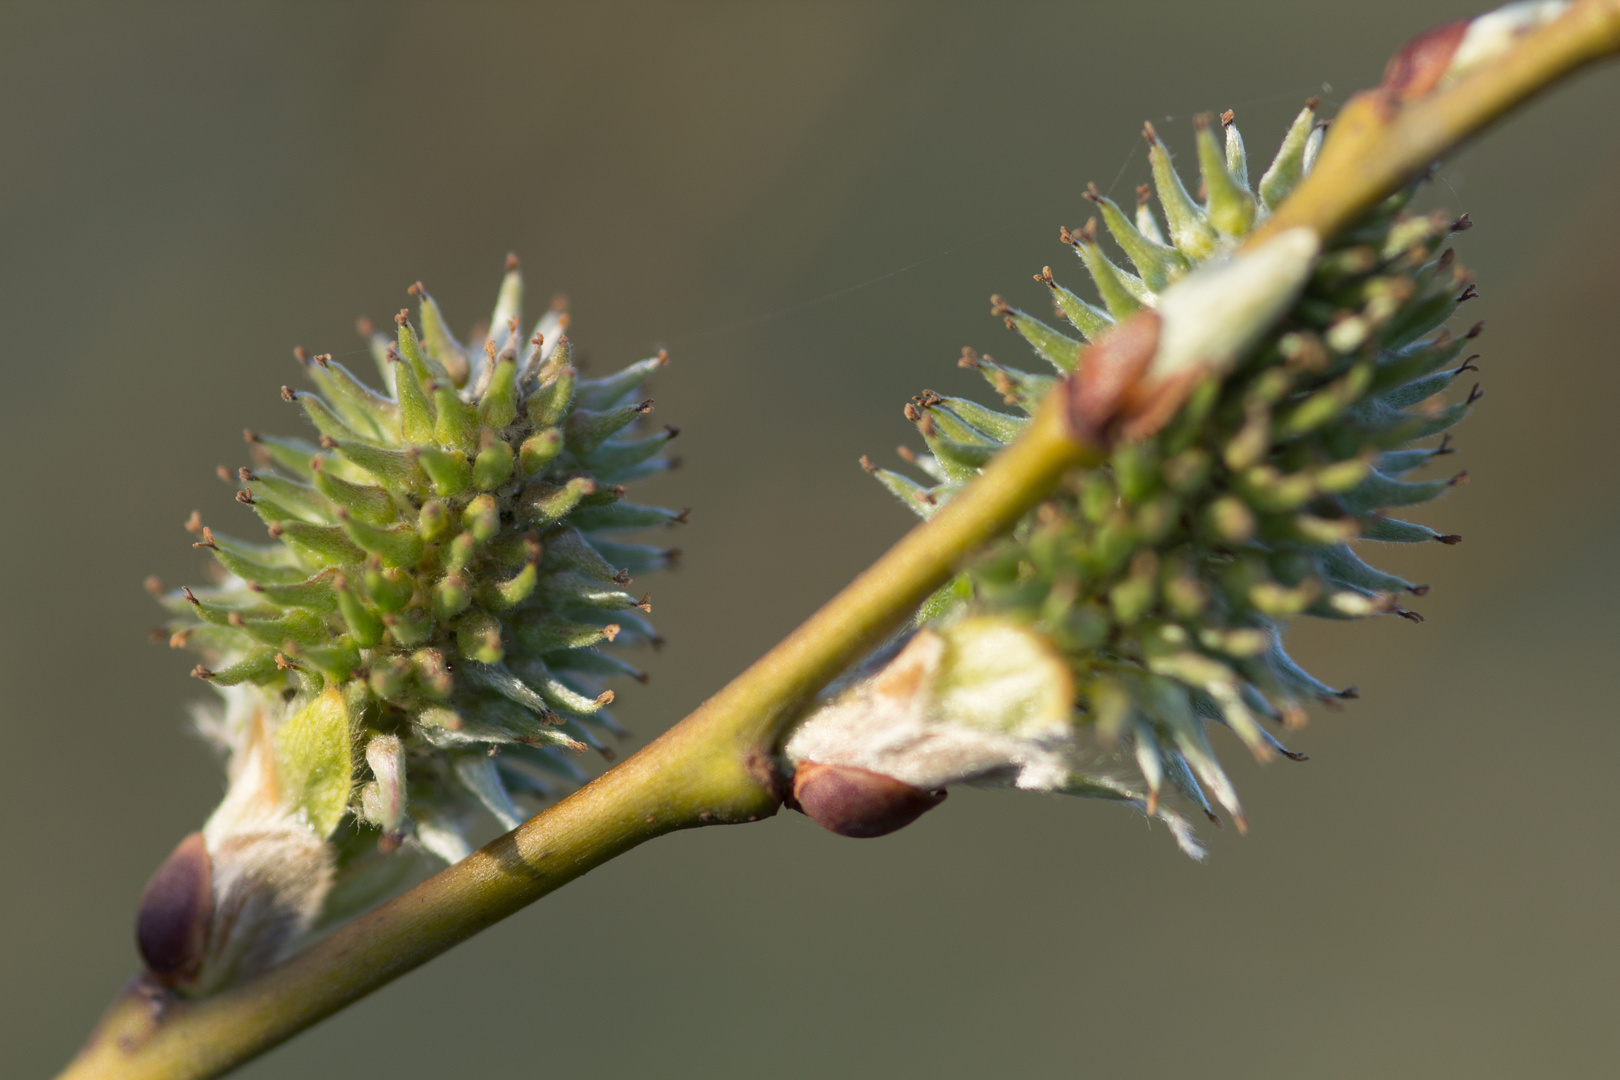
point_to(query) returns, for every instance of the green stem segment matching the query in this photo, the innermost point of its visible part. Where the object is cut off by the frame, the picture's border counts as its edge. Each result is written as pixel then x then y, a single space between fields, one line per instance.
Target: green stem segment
pixel 716 765
pixel 1378 144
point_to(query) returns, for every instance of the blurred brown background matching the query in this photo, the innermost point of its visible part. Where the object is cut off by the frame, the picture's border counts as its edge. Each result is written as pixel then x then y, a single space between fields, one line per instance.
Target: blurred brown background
pixel 188 191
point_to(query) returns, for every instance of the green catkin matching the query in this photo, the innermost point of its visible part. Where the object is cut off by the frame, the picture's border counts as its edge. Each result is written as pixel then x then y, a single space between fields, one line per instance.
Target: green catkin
pixel 423 543
pixel 1166 575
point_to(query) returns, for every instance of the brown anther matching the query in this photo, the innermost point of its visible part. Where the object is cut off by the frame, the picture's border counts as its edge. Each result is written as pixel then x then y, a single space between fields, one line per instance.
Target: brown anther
pixel 1091 193
pixel 680 519
pixel 245 475
pixel 605 698
pixel 1045 277
pixel 645 406
pixel 153 585
pixel 1467 365
pixel 249 435
pixel 403 317
pixel 207 540
pixel 999 306
pixel 180 638
pixel 1227 118
pixel 1202 120
pixel 185 591
pixel 1475 394
pixel 235 619
pixel 414 290
pixel 663 357
pixel 328 443
pixel 672 557
pixel 1149 133
pixel 559 303
pixel 610 631
pixel 364 327
pixel 1088 231
pixel 300 354
pixel 511 261
pixel 1447 257
pixel 1312 102
pixel 968 359
pixel 645 603
pixel 288 394
pixel 285 664
pixel 622 577
pixel 1419 590
pixel 1409 616
pixel 223 473
pixel 866 463
pixel 1462 224
pixel 275 529
pixel 1449 538
pixel 1475 330
pixel 1468 293
pixel 245 498
pixel 907 454
pixel 489 350
pixel 1065 236
pixel 323 359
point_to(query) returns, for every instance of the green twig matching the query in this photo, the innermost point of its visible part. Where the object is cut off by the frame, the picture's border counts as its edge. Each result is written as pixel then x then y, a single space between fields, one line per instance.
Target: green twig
pixel 716 765
pixel 713 767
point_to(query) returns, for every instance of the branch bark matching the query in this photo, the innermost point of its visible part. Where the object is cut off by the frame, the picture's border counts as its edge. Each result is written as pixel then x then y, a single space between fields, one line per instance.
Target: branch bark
pixel 716 766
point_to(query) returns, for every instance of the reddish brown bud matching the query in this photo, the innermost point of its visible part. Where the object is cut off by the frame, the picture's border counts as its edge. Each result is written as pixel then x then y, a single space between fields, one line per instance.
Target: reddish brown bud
pixel 1417 68
pixel 857 802
pixel 1114 365
pixel 176 912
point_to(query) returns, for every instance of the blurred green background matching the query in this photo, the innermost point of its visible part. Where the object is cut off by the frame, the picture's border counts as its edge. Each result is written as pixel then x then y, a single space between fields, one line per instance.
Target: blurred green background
pixel 808 204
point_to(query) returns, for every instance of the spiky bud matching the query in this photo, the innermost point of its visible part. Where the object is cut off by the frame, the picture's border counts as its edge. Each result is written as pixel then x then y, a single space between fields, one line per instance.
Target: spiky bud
pixel 1265 409
pixel 417 642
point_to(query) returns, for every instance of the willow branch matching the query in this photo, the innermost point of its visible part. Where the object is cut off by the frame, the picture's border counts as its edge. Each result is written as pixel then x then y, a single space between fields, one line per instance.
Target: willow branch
pixel 716 765
pixel 1381 141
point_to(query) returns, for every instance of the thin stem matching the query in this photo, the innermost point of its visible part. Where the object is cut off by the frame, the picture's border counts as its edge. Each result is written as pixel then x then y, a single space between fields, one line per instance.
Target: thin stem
pixel 716 766
pixel 1377 145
